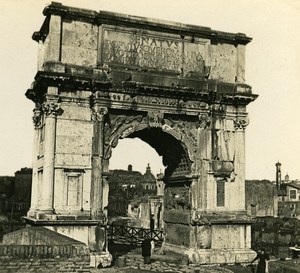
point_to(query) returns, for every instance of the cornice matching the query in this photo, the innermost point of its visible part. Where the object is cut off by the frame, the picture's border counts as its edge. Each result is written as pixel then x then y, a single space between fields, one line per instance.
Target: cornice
pixel 209 91
pixel 118 19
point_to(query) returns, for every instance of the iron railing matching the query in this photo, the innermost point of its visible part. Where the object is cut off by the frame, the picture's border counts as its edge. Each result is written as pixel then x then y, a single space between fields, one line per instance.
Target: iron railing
pixel 133 235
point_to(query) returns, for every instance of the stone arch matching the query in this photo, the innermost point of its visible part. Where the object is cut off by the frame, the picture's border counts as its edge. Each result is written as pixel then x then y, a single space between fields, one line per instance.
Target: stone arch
pixel 161 138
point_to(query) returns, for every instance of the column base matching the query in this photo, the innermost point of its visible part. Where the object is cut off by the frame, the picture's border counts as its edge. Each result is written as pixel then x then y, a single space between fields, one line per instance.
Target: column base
pixel 211 256
pixel 99 260
pixel 90 232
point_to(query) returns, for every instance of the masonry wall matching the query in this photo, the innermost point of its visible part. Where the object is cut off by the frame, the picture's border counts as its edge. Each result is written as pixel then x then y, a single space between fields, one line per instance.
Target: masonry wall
pixel 85 44
pixel 30 258
pixel 74 132
pixel 37 249
pixel 261 198
pixel 275 234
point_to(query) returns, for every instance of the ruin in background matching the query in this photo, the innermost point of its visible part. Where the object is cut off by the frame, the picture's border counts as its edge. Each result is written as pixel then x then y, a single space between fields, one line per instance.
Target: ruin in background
pixel 181 88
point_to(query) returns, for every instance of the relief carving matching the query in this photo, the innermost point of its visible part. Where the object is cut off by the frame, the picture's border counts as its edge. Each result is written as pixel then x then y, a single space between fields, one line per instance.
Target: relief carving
pixel 37 118
pixel 118 127
pixel 155 100
pixel 196 104
pixel 155 118
pixel 185 132
pixel 190 104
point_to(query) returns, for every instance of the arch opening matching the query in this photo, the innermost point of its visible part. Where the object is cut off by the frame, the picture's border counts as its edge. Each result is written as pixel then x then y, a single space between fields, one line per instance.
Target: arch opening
pixel 174 153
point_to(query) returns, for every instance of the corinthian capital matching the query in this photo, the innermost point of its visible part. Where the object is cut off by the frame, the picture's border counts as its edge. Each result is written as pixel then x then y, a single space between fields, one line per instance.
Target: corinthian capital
pixel 50 109
pixel 240 123
pixel 99 113
pixel 37 118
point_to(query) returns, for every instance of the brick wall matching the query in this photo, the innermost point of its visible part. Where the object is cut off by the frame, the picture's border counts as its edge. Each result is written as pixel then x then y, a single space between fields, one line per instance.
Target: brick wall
pixel 65 257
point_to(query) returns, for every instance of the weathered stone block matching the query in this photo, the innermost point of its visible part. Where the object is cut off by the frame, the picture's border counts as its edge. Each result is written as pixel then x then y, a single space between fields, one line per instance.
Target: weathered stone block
pixel 177 234
pixel 73 111
pixel 224 59
pixel 63 159
pixel 180 216
pixel 225 236
pixel 202 237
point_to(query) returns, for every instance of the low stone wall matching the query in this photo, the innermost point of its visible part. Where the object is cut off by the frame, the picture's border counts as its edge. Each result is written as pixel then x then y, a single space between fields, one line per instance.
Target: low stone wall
pixel 37 236
pixel 51 252
pixel 284 266
pixel 275 235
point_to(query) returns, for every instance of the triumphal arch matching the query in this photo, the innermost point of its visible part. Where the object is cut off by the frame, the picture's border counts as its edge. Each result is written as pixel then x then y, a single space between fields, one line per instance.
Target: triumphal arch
pixel 104 76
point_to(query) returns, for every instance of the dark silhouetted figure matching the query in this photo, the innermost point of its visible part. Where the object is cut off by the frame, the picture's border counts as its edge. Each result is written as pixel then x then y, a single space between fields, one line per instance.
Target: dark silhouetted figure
pixel 146 250
pixel 263 258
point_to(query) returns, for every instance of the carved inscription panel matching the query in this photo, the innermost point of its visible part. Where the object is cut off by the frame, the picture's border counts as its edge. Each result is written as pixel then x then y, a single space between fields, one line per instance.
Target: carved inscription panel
pixel 154 51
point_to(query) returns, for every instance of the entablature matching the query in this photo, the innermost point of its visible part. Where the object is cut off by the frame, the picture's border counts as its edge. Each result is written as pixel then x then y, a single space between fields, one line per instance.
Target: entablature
pixel 134 87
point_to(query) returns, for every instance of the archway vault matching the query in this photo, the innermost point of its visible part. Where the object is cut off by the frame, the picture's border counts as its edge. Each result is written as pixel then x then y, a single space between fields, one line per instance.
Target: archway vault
pixel 165 136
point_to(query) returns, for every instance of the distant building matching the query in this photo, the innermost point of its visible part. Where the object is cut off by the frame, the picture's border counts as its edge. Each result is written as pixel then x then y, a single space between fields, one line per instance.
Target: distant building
pixel 6 193
pixel 123 186
pixel 149 182
pixel 278 199
pixel 137 197
pixel 15 193
pixel 289 200
pixel 261 198
pixel 288 195
pixel 146 212
pixel 22 188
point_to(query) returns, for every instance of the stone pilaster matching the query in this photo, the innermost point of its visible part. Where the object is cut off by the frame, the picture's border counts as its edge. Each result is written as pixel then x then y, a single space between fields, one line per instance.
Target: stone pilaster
pixel 240 124
pixel 37 122
pixel 98 114
pixel 50 110
pixel 202 158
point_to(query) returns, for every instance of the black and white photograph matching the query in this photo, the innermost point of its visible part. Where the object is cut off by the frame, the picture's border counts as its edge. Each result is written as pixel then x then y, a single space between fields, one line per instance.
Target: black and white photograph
pixel 150 136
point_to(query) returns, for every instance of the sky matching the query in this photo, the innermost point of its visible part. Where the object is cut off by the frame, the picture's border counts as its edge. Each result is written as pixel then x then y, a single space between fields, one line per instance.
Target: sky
pixel 272 69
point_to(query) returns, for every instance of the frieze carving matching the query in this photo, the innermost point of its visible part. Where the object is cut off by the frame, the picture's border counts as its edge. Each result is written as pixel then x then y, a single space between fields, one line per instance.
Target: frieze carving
pixel 37 118
pixel 155 118
pixel 160 101
pixel 155 100
pixel 51 109
pixel 98 113
pixel 196 104
pixel 241 123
